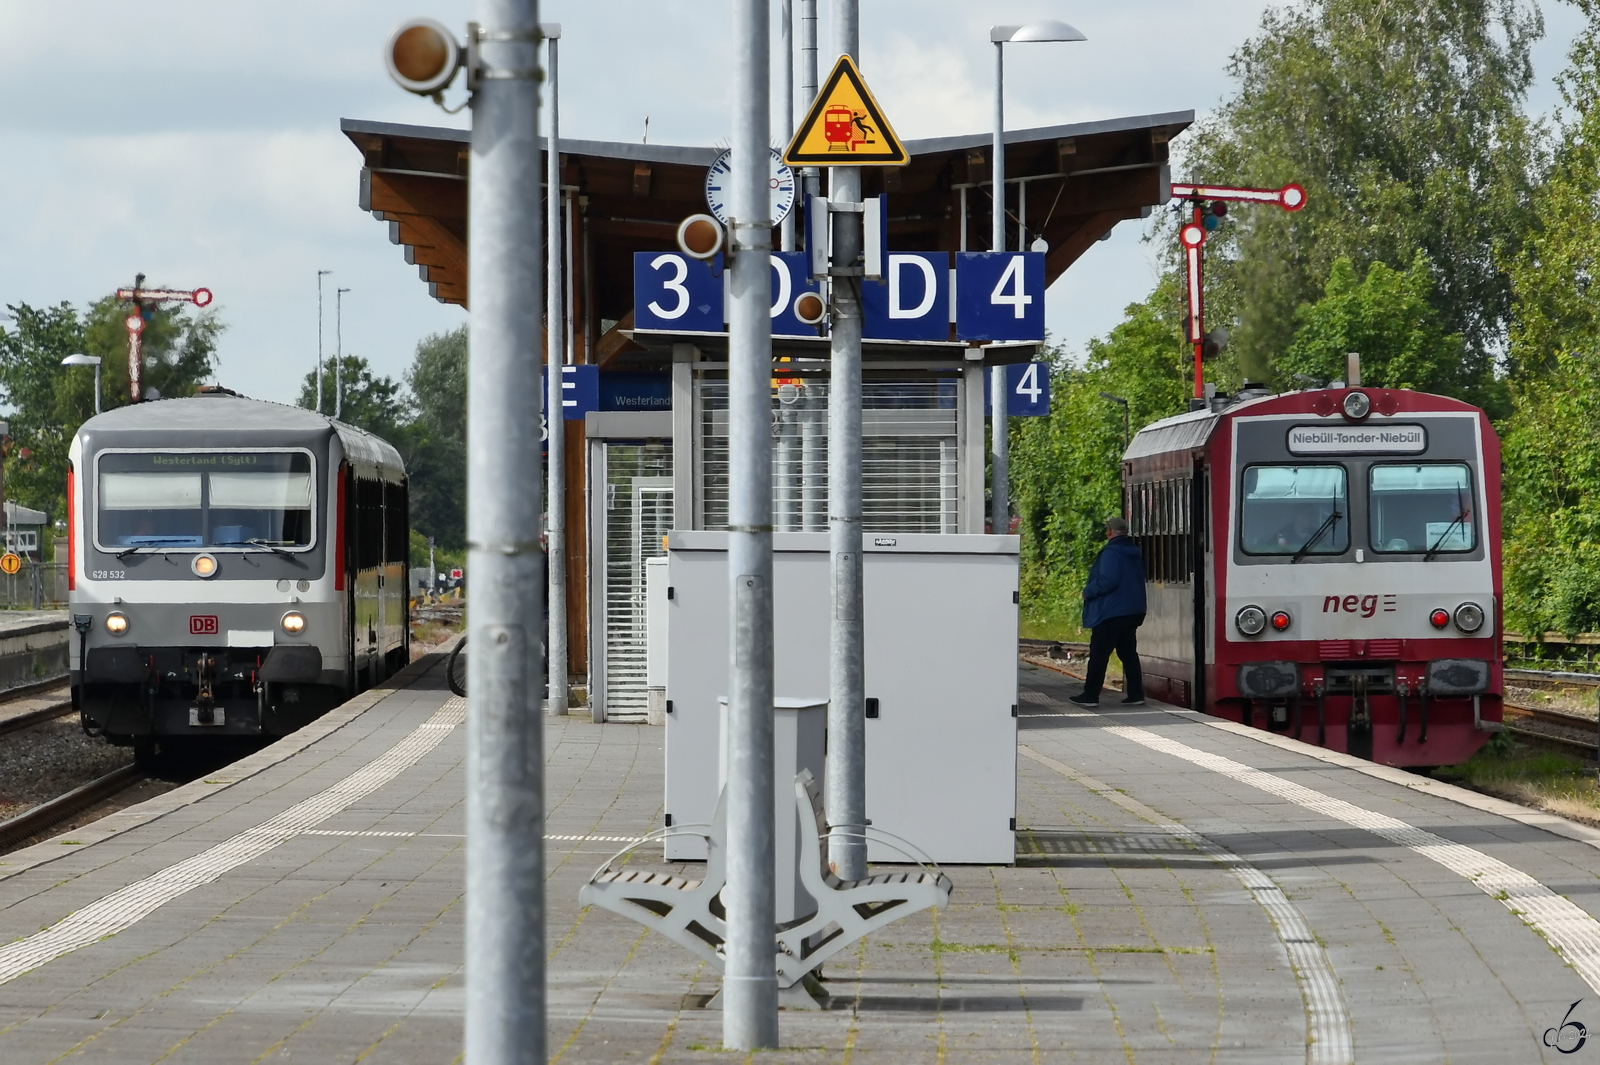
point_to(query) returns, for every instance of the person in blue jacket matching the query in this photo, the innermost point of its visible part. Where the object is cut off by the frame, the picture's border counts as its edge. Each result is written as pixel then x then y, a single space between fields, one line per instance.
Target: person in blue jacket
pixel 1113 610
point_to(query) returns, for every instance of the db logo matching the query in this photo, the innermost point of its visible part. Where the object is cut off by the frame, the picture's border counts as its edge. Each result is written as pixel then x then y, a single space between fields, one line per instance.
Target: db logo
pixel 203 625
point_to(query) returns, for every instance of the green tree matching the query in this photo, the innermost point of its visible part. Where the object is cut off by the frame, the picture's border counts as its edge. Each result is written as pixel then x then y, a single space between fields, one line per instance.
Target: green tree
pixel 1388 318
pixel 1066 467
pixel 1552 468
pixel 438 466
pixel 377 404
pixel 47 402
pixel 1405 124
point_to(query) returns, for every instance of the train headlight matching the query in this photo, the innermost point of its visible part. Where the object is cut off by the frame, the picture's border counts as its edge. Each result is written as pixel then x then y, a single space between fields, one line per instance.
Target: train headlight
pixel 116 623
pixel 1251 620
pixel 204 565
pixel 1280 620
pixel 1439 618
pixel 1469 617
pixel 1357 405
pixel 294 623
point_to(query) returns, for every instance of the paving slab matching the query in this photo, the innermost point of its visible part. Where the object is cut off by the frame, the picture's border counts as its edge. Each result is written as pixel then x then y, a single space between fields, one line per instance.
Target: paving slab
pixel 1161 909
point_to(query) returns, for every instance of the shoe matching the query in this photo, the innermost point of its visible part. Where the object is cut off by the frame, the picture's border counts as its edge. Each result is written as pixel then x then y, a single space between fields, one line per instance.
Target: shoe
pixel 1084 700
pixel 1133 702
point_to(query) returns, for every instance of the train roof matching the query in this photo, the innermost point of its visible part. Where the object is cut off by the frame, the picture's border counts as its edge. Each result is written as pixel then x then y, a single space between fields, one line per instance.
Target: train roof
pixel 1193 429
pixel 227 413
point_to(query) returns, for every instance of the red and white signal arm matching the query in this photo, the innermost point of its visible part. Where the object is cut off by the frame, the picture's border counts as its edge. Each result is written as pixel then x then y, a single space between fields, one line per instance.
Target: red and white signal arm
pixel 455 575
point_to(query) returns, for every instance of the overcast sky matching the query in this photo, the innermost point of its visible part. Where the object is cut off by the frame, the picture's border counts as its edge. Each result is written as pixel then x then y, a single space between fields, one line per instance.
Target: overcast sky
pixel 199 141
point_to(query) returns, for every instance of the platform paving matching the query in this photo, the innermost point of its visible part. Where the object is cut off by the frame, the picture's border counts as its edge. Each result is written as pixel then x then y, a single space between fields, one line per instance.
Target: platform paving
pixel 1160 911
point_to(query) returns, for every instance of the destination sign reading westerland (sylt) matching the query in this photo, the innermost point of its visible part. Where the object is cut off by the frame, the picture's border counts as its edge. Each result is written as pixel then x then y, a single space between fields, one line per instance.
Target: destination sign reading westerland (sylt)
pixel 845 126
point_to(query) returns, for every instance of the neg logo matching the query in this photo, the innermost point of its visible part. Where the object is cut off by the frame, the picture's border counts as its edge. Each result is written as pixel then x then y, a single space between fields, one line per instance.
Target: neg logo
pixel 1365 605
pixel 1569 1036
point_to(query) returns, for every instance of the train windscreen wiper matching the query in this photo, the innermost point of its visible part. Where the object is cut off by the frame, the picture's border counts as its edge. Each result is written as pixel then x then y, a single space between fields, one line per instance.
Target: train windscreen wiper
pixel 275 546
pixel 1327 523
pixel 1451 528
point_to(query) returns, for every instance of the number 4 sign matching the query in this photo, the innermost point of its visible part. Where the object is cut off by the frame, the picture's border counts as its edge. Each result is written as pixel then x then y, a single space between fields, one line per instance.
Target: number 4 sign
pixel 1029 386
pixel 1000 295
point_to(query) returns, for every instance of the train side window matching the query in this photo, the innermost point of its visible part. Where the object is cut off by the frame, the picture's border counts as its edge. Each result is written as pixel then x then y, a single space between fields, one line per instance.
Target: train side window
pixel 1287 509
pixel 1417 508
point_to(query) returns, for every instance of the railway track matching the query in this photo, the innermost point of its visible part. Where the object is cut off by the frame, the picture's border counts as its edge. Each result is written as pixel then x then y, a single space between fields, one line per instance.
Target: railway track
pixel 47 815
pixel 58 708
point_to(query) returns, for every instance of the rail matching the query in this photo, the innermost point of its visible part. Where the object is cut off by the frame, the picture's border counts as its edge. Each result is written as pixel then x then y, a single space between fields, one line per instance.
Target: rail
pixel 31 823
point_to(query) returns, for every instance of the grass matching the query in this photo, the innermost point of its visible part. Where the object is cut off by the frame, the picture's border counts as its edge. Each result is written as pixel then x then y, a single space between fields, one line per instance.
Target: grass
pixel 1530 775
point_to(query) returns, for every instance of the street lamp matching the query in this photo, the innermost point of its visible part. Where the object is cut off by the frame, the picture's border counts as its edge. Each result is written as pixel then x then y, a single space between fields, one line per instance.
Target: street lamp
pixel 1000 471
pixel 87 360
pixel 1124 404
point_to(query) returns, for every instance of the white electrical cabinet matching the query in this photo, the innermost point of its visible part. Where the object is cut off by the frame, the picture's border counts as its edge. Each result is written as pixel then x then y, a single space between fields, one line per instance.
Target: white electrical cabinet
pixel 941 680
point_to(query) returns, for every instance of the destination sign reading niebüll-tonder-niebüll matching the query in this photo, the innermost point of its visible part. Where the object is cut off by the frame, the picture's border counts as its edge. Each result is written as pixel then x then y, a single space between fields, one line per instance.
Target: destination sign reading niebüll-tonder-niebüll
pixel 1358 439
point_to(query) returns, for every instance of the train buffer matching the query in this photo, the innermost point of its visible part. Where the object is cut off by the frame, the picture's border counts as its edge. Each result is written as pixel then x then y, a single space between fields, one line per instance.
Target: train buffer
pixel 689 912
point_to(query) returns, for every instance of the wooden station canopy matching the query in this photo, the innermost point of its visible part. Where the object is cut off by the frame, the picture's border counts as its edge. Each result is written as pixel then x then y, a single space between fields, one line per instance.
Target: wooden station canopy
pixel 1071 184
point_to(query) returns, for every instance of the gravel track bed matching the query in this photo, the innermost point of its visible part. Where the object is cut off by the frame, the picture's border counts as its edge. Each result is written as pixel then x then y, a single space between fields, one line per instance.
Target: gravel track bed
pixel 52 758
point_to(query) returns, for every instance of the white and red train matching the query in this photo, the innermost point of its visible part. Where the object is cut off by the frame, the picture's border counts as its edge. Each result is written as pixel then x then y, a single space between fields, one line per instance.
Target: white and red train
pixel 1325 563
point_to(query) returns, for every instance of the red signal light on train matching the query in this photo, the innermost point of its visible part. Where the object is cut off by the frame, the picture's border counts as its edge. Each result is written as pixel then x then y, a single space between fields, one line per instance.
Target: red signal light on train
pixel 1280 620
pixel 1439 618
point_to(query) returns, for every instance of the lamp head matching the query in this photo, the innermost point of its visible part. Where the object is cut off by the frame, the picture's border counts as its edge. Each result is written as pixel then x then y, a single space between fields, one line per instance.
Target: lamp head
pixel 422 56
pixel 1048 29
pixel 81 359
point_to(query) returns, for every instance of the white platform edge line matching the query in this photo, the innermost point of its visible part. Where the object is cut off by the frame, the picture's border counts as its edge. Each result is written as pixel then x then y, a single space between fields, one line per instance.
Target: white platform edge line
pixel 1552 823
pixel 120 910
pixel 1327 1016
pixel 1563 924
pixel 131 817
pixel 1555 824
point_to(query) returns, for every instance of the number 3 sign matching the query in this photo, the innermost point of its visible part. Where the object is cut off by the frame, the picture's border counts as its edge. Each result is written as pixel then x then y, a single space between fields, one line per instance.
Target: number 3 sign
pixel 1000 295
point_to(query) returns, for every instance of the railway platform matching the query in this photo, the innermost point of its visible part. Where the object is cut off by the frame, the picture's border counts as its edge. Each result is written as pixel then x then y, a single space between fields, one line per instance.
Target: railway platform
pixel 1184 892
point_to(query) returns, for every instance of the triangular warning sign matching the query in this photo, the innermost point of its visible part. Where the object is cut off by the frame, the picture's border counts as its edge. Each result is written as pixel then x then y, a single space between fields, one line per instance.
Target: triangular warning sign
pixel 845 126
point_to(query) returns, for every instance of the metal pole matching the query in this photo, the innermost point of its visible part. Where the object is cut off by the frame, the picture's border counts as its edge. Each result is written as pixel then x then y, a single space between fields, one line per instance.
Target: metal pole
pixel 750 986
pixel 338 351
pixel 433 573
pixel 812 180
pixel 555 332
pixel 846 777
pixel 320 275
pixel 505 993
pixel 97 387
pixel 786 123
pixel 999 399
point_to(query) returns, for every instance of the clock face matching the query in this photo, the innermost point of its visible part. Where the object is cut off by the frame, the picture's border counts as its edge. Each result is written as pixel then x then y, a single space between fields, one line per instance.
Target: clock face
pixel 780 181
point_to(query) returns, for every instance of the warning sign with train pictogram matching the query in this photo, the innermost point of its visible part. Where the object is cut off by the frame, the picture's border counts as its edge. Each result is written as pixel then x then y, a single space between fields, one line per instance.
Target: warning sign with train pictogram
pixel 845 126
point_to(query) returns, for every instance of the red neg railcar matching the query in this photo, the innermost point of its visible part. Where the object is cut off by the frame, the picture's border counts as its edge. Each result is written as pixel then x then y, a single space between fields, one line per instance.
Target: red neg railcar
pixel 1325 563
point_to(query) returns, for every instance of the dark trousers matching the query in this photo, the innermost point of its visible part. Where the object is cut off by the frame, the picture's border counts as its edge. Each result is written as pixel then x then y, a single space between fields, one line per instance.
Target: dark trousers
pixel 1122 636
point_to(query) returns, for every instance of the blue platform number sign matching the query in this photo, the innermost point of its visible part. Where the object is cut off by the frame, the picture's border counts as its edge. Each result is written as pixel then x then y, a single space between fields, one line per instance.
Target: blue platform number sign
pixel 911 301
pixel 1000 295
pixel 1028 390
pixel 580 391
pixel 789 280
pixel 674 292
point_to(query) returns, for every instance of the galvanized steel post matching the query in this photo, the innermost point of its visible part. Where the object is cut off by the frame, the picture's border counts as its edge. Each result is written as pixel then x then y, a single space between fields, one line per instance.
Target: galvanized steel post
pixel 750 984
pixel 846 776
pixel 999 399
pixel 555 333
pixel 505 967
pixel 812 183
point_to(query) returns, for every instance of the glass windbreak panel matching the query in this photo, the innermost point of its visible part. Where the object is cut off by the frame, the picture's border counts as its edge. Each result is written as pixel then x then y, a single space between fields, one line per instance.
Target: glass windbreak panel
pixel 1288 510
pixel 1418 508
pixel 223 499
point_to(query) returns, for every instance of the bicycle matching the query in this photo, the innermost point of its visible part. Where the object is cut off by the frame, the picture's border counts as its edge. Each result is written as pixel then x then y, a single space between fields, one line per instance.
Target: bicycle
pixel 455 672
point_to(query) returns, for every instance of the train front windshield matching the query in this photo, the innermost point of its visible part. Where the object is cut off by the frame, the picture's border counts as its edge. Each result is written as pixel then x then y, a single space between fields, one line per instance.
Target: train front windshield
pixel 205 499
pixel 1425 508
pixel 1293 510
